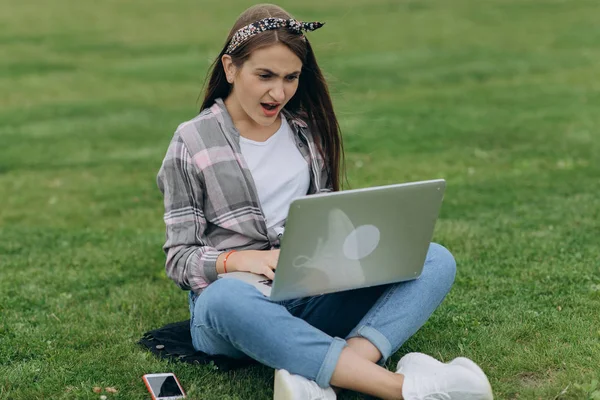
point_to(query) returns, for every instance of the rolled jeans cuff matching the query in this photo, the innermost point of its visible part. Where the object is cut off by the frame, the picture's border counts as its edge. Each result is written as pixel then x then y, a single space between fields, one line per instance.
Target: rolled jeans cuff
pixel 330 362
pixel 378 340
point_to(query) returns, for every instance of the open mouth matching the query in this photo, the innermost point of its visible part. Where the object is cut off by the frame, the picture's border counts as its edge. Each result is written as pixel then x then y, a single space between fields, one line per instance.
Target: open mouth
pixel 269 106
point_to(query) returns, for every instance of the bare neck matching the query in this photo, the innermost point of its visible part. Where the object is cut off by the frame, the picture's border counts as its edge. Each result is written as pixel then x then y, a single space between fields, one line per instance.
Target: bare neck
pixel 246 126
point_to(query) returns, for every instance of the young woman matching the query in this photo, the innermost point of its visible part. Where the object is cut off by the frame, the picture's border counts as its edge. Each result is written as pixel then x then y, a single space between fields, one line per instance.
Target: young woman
pixel 267 134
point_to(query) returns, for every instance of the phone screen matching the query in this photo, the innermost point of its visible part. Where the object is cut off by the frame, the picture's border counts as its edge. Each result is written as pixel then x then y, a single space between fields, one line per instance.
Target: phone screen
pixel 164 386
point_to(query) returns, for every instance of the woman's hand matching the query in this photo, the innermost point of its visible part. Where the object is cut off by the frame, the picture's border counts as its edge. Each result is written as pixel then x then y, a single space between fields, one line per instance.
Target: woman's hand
pixel 260 262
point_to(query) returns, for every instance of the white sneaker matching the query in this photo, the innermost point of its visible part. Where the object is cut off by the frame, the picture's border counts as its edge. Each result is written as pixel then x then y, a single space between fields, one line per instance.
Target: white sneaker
pixel 416 363
pixel 426 378
pixel 296 387
pixel 422 363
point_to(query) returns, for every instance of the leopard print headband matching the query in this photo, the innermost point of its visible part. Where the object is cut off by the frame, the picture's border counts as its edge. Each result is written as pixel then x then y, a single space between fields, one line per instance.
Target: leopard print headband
pixel 265 24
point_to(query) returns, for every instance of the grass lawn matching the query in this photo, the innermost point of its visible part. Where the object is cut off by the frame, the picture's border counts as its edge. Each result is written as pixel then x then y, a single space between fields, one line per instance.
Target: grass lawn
pixel 501 98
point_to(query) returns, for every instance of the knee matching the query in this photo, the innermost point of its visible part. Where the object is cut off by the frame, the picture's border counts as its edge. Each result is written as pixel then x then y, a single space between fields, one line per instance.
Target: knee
pixel 222 298
pixel 441 263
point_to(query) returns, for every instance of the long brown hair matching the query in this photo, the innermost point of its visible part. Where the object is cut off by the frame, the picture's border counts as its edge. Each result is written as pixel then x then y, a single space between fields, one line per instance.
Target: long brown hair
pixel 311 102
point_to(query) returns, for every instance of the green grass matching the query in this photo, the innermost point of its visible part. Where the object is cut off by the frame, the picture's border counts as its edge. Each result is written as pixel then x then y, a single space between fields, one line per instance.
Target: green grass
pixel 499 97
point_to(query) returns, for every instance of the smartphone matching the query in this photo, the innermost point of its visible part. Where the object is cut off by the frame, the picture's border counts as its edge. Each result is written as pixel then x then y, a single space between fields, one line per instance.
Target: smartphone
pixel 164 386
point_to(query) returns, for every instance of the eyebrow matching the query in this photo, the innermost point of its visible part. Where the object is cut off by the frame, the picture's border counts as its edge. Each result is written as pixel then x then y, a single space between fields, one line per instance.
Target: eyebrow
pixel 268 71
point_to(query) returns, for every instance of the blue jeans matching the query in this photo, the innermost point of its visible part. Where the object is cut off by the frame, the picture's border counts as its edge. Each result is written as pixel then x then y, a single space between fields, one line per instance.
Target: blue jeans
pixel 306 336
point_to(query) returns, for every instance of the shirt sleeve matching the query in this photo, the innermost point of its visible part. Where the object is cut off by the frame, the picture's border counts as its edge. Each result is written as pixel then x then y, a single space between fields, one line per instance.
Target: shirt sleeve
pixel 191 261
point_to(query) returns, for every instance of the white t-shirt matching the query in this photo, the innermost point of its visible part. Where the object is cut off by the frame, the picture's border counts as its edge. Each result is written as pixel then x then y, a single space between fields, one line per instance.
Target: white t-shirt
pixel 280 172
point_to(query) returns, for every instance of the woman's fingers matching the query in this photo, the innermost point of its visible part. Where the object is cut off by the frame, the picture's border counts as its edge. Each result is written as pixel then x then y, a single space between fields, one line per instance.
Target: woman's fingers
pixel 268 272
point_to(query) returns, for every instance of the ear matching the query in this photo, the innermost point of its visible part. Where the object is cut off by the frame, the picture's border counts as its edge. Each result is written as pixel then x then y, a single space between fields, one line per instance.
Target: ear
pixel 229 68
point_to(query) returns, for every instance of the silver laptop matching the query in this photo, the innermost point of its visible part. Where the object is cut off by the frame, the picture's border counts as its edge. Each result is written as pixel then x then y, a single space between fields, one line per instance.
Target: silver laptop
pixel 353 239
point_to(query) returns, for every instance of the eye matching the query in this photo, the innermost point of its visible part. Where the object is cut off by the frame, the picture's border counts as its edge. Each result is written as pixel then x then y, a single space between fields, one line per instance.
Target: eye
pixel 264 76
pixel 292 78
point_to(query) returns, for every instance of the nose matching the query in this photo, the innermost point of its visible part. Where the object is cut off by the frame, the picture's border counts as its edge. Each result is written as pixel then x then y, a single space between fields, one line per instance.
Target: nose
pixel 277 92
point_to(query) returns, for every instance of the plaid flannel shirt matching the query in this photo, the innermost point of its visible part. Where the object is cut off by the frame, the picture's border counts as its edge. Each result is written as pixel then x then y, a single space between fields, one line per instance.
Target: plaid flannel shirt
pixel 211 202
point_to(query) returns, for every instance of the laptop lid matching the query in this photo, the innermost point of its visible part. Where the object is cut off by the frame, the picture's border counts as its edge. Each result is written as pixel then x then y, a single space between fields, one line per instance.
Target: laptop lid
pixel 356 238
